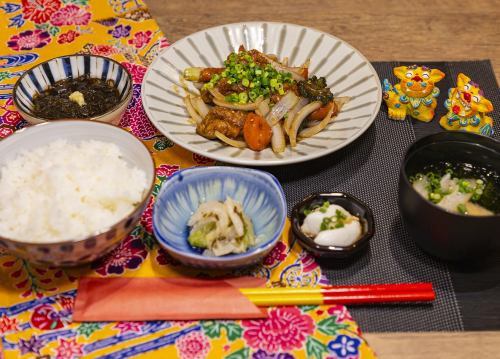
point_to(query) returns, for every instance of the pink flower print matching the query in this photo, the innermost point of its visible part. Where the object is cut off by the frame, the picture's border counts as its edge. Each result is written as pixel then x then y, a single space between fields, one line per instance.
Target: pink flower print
pixel 68 37
pixel 166 170
pixel 39 11
pixel 66 302
pixel 147 217
pixel 29 40
pixel 129 254
pixel 11 118
pixel 164 43
pixel 70 15
pixel 183 323
pixel 69 349
pixel 103 50
pixel 5 131
pixel 308 262
pixel 125 121
pixel 125 327
pixel 135 117
pixel 140 124
pixel 8 324
pixel 276 255
pixel 286 328
pixel 137 71
pixel 194 345
pixel 340 312
pixel 141 39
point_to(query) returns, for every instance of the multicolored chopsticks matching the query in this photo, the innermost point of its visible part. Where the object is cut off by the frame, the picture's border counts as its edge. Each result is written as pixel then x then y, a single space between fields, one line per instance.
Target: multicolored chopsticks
pixel 352 294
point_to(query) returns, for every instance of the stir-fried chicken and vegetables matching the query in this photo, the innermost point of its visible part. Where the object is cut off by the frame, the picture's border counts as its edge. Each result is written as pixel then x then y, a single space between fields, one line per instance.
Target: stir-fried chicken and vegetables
pixel 256 101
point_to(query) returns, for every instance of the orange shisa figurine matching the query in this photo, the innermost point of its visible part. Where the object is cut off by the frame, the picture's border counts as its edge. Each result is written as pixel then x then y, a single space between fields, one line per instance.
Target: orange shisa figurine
pixel 415 94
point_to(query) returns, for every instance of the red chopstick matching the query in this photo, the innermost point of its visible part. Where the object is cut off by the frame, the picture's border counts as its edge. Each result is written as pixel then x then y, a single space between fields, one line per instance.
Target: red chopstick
pixel 402 297
pixel 369 288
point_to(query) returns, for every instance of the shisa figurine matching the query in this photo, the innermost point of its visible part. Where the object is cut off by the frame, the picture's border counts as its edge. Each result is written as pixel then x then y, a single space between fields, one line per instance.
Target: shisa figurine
pixel 415 95
pixel 467 106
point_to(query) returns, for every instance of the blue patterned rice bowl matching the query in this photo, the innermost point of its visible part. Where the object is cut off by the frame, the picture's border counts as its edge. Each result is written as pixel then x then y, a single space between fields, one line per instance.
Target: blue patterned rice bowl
pixel 45 74
pixel 259 193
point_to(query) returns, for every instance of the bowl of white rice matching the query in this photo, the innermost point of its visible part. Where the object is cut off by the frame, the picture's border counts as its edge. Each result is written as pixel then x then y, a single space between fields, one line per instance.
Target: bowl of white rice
pixel 71 190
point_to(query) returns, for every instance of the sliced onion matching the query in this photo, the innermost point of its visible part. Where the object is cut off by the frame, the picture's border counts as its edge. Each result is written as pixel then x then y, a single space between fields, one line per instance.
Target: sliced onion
pixel 200 106
pixel 192 112
pixel 236 106
pixel 284 62
pixel 279 67
pixel 299 117
pixel 216 94
pixel 311 131
pixel 278 142
pixel 281 108
pixel 263 108
pixel 291 114
pixel 312 123
pixel 230 141
pixel 340 102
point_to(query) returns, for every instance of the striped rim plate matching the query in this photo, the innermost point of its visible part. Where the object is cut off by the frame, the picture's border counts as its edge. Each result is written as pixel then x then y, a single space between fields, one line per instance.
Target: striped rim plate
pixel 347 71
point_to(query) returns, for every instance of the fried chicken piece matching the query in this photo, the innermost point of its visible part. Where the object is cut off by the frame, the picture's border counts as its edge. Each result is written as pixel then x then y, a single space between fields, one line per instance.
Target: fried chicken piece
pixel 258 57
pixel 206 96
pixel 226 88
pixel 226 121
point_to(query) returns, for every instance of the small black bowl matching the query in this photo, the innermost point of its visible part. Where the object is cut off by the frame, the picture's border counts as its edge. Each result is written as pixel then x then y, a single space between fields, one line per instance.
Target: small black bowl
pixel 352 205
pixel 443 234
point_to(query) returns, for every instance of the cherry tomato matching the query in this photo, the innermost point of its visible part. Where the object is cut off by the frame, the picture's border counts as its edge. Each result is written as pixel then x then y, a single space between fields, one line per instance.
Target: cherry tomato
pixel 257 132
pixel 321 112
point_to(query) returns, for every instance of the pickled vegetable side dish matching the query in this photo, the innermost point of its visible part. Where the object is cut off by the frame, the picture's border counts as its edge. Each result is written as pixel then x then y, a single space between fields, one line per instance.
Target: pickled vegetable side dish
pixel 221 228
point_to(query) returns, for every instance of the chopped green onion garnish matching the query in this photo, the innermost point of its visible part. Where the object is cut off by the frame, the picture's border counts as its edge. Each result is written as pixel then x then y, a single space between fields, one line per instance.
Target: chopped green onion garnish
pixel 252 95
pixel 241 69
pixel 462 209
pixel 243 97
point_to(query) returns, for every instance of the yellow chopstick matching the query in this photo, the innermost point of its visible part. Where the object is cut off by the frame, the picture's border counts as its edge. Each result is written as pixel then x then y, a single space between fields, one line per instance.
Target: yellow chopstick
pixel 275 300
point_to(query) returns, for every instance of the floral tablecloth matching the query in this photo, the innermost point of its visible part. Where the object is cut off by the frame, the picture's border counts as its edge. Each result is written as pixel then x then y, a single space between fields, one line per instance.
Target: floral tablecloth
pixel 36 302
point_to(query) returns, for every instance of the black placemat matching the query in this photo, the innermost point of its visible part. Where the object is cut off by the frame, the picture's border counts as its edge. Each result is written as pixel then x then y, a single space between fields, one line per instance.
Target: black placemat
pixel 468 297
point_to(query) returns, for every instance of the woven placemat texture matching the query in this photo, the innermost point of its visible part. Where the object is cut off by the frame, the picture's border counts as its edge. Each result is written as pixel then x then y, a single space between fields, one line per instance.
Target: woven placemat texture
pixel 368 169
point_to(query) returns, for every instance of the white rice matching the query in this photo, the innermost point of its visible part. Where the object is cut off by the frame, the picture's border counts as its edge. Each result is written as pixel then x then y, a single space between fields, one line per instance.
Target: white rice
pixel 64 191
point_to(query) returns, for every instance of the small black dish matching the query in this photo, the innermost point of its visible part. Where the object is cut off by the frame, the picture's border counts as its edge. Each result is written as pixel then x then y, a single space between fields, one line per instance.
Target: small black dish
pixel 352 205
pixel 444 234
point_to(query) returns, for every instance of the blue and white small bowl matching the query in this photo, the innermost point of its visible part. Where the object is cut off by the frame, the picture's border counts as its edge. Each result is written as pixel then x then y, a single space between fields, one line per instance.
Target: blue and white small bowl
pixel 45 74
pixel 259 192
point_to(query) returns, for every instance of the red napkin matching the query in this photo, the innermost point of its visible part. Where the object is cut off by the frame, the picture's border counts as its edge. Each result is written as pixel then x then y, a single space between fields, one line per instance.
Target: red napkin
pixel 139 299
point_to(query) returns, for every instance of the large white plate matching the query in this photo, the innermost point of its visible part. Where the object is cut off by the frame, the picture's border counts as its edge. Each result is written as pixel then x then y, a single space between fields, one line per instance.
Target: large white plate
pixel 347 72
